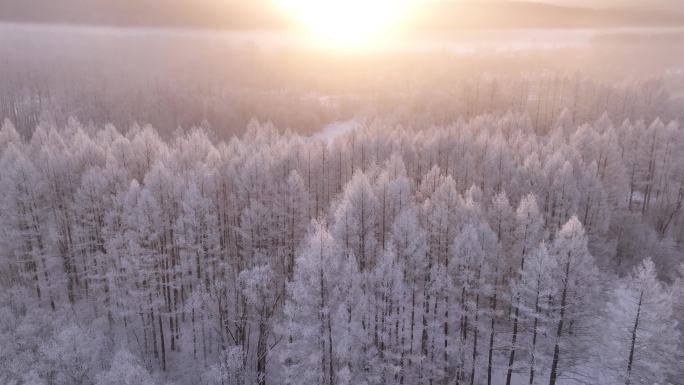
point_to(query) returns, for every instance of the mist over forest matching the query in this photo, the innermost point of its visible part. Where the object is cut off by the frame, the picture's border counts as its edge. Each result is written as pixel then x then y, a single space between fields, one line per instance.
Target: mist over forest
pixel 187 204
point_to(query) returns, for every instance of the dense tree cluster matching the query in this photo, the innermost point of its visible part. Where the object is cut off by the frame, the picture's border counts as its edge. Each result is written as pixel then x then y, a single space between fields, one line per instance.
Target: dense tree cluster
pixel 478 252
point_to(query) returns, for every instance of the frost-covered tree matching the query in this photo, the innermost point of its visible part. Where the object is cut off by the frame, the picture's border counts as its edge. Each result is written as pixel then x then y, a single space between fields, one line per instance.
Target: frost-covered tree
pixel 678 312
pixel 463 251
pixel 534 288
pixel 355 225
pixel 410 244
pixel 294 204
pixel 573 307
pixel 307 357
pixel 641 330
pixel 125 370
pixel 527 234
pixel 264 295
pixel 74 355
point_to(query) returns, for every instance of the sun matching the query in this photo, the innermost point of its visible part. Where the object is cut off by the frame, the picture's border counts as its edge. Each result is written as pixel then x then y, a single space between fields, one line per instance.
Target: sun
pixel 348 23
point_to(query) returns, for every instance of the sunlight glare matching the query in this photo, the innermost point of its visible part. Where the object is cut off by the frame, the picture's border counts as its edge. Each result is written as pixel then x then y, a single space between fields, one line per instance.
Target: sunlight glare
pixel 348 23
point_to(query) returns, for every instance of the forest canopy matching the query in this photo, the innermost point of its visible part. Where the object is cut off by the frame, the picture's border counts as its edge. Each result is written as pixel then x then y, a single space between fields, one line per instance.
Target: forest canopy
pixel 483 250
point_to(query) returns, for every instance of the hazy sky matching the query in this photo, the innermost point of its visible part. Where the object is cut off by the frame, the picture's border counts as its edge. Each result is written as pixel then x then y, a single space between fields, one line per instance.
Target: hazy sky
pixel 653 4
pixel 663 4
pixel 242 14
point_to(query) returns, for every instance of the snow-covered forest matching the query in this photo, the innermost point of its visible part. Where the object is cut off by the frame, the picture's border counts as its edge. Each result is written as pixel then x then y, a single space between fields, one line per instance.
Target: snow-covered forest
pixel 341 192
pixel 495 249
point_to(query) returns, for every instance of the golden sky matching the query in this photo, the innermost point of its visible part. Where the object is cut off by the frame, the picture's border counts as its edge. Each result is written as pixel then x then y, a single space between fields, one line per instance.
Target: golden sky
pixel 270 14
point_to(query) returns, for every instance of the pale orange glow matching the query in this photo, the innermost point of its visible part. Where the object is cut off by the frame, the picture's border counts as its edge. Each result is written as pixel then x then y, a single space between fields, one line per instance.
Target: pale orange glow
pixel 348 24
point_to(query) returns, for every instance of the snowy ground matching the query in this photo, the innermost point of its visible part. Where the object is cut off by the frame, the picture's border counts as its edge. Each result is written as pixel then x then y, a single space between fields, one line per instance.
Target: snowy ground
pixel 334 129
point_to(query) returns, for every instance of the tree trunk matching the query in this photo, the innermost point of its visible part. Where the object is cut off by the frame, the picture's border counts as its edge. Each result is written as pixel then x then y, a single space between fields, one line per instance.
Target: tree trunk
pixel 491 337
pixel 630 361
pixel 559 331
pixel 534 332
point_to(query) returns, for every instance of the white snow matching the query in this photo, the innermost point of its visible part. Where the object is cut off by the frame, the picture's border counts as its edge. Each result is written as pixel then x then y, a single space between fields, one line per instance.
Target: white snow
pixel 334 129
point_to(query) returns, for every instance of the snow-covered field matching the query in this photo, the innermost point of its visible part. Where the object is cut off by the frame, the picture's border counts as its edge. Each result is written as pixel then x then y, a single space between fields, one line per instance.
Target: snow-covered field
pixel 335 129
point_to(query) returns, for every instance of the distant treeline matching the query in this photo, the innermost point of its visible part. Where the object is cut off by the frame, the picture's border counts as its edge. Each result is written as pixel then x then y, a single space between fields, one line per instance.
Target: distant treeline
pixel 184 80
